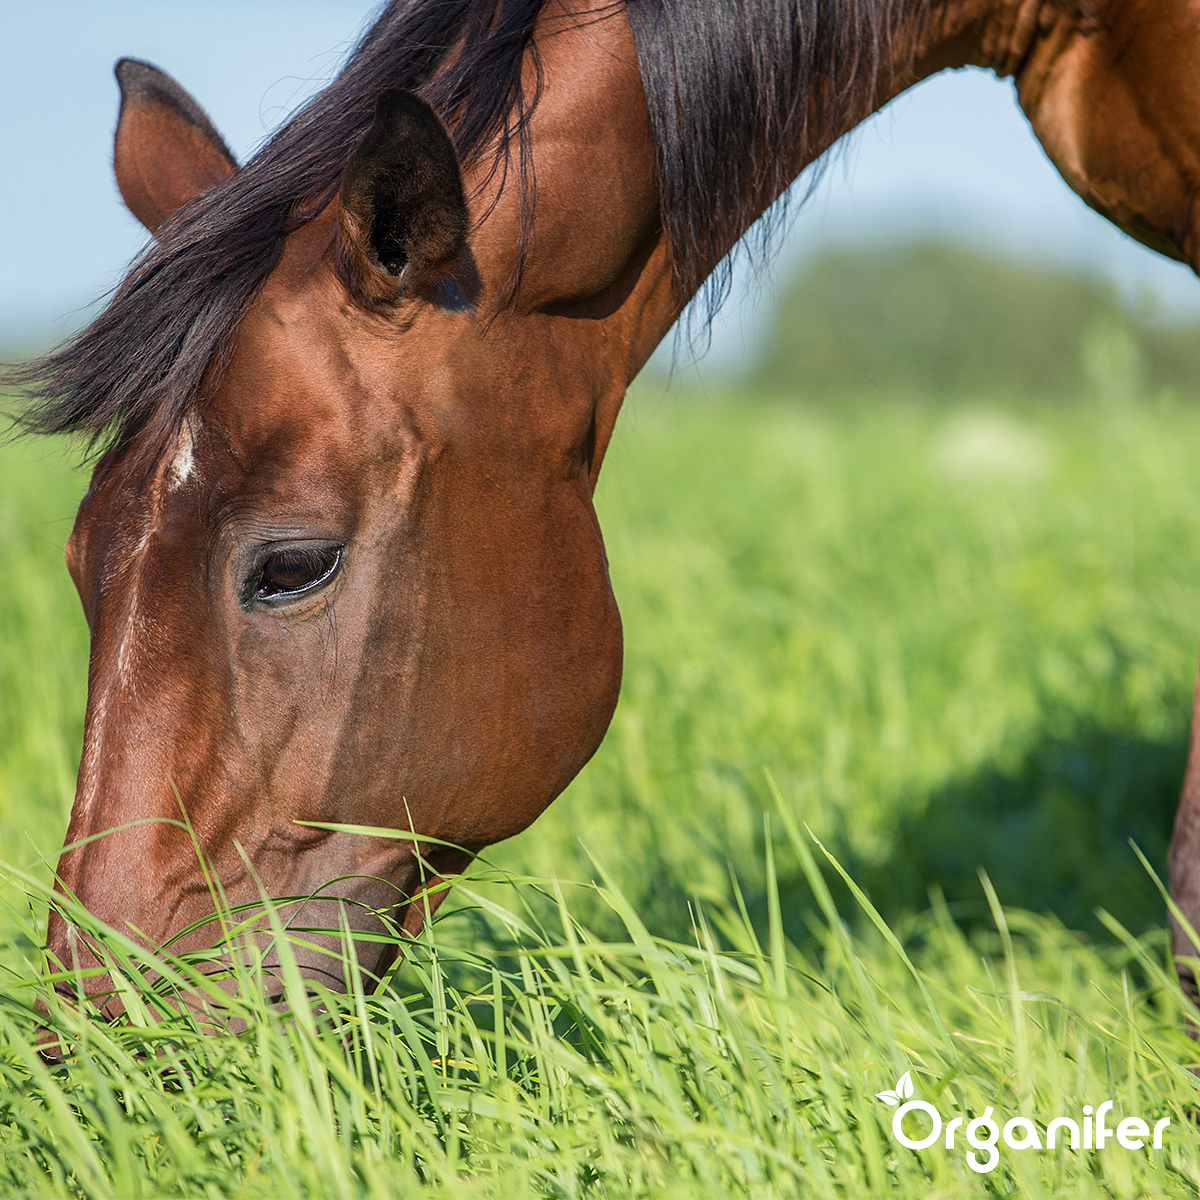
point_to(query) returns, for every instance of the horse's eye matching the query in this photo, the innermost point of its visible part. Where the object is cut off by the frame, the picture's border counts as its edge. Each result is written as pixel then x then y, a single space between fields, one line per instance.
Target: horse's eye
pixel 288 573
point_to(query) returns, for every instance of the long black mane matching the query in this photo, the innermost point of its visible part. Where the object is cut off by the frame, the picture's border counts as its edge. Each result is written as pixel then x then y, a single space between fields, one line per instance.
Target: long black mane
pixel 729 84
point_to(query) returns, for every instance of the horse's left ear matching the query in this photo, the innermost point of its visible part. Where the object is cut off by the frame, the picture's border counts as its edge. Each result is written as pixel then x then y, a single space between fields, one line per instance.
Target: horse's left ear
pixel 166 150
pixel 402 211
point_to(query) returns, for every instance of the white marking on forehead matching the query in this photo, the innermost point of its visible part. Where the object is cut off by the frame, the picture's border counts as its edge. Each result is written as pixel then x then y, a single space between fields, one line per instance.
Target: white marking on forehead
pixel 184 461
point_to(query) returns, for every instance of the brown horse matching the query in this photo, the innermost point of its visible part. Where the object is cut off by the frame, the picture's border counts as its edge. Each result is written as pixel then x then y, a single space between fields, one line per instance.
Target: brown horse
pixel 339 557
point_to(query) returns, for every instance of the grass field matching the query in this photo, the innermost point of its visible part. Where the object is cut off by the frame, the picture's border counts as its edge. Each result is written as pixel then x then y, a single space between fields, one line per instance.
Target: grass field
pixel 942 639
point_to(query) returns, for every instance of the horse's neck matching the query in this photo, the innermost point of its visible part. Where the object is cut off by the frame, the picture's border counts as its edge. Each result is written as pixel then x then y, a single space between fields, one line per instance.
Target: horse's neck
pixel 597 253
pixel 594 195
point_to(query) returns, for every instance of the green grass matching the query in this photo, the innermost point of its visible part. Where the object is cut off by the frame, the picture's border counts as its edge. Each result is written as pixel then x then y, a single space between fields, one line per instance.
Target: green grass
pixel 954 638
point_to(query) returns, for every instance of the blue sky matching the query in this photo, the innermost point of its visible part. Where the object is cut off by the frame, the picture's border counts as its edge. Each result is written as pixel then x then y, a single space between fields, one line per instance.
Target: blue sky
pixel 953 157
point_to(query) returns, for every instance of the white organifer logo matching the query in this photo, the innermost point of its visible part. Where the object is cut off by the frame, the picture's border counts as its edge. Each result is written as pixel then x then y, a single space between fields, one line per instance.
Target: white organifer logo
pixel 1020 1133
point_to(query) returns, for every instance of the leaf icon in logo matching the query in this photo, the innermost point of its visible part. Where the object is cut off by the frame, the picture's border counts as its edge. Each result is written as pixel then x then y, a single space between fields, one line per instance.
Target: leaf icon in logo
pixel 904 1089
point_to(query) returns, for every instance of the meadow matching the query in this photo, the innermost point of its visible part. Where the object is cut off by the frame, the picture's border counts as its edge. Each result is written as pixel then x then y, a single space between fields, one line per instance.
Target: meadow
pixel 905 684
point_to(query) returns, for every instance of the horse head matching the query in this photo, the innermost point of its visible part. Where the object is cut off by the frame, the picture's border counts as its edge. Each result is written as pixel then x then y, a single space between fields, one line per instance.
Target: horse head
pixel 361 581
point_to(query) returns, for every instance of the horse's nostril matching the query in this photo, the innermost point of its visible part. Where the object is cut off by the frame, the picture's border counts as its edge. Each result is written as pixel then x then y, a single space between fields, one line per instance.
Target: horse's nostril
pixel 47 1040
pixel 48 1046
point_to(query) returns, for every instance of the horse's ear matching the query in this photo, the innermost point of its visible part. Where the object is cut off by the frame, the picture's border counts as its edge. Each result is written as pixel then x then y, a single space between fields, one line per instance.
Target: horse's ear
pixel 166 149
pixel 402 211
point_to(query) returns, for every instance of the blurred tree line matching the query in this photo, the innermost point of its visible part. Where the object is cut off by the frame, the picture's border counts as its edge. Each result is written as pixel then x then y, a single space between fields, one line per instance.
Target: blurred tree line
pixel 935 320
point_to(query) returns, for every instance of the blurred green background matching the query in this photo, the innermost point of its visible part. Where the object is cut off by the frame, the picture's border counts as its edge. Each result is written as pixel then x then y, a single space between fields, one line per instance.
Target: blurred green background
pixel 937 321
pixel 935 565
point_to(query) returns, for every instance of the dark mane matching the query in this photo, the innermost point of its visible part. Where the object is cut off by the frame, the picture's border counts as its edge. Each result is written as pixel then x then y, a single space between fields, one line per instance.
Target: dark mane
pixel 742 91
pixel 728 83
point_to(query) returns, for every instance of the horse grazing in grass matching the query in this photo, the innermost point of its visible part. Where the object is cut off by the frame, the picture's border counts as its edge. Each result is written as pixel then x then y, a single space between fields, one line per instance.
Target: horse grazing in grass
pixel 339 557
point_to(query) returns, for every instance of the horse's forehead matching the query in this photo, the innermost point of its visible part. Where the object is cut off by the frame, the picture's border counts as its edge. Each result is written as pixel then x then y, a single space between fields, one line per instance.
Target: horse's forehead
pixel 300 376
